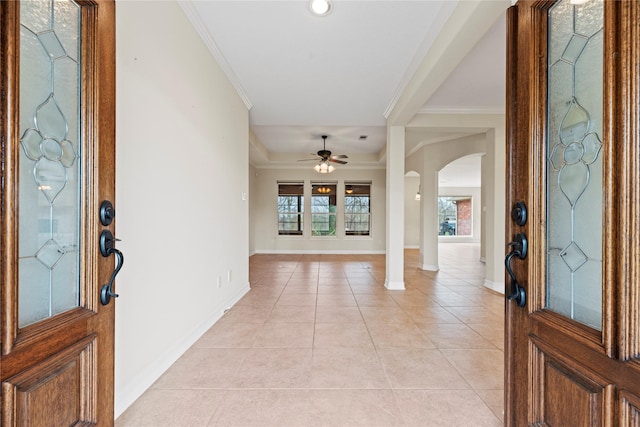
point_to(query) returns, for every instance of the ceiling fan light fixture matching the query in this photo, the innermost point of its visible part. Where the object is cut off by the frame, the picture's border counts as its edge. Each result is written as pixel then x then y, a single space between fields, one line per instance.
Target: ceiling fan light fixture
pixel 324 167
pixel 320 7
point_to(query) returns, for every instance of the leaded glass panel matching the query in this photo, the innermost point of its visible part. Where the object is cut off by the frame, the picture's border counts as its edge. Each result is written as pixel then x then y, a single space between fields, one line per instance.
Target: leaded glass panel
pixel 574 161
pixel 50 164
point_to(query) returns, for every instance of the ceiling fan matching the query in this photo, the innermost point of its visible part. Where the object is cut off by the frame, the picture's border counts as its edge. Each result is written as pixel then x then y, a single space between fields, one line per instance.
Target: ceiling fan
pixel 324 155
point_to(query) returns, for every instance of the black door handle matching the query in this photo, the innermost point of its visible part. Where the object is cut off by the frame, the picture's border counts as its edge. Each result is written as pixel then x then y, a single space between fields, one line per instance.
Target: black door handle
pixel 107 242
pixel 519 249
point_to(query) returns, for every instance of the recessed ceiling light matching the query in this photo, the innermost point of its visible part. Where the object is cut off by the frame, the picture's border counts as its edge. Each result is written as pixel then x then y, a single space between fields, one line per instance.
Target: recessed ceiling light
pixel 320 7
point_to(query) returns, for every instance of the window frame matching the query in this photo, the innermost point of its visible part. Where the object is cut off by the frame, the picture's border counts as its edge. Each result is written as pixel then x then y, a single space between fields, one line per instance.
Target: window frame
pixel 331 209
pixel 289 190
pixel 359 190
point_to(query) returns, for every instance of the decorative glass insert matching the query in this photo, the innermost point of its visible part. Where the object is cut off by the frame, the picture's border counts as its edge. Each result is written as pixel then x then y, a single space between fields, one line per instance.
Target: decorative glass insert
pixel 455 216
pixel 574 163
pixel 50 163
pixel 357 209
pixel 290 208
pixel 323 209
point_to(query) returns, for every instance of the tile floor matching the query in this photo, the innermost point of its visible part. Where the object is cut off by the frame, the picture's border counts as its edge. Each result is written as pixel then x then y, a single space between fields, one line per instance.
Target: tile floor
pixel 319 341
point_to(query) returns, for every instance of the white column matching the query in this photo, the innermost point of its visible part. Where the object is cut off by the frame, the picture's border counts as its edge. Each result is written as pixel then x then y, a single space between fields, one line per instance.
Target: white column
pixel 429 218
pixel 395 208
pixel 495 214
pixel 483 208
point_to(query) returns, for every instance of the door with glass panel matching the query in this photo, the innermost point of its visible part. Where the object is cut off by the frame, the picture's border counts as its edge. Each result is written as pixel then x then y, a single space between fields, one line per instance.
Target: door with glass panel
pixel 573 188
pixel 57 133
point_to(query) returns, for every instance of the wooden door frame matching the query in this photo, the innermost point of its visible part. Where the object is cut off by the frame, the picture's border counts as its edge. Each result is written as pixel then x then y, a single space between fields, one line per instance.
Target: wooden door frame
pixel 526 110
pixel 22 344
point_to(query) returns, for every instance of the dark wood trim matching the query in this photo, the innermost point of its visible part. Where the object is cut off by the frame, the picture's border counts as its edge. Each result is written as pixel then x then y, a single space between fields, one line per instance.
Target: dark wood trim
pixel 9 82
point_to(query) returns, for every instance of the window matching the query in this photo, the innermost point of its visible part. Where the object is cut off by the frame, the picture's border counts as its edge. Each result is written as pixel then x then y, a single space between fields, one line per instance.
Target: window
pixel 357 209
pixel 290 208
pixel 323 209
pixel 454 216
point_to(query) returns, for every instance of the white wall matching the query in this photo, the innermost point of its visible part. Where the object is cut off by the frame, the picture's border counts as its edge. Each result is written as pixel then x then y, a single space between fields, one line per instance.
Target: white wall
pixel 182 149
pixel 253 208
pixel 411 212
pixel 265 219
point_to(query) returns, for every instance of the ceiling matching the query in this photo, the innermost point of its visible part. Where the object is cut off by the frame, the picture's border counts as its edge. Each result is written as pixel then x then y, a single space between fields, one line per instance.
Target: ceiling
pixel 304 76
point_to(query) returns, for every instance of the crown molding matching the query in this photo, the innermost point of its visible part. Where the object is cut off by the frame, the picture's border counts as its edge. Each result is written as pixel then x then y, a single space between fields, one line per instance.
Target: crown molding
pixel 192 15
pixel 462 110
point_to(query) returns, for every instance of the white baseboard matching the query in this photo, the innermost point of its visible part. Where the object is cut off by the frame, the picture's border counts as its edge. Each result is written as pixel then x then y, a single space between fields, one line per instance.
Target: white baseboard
pixel 321 252
pixel 394 286
pixel 128 393
pixel 430 267
pixel 412 247
pixel 494 286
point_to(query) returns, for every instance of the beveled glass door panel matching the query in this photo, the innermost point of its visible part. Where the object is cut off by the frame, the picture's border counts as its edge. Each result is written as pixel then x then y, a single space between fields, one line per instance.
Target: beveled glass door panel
pixel 50 160
pixel 574 161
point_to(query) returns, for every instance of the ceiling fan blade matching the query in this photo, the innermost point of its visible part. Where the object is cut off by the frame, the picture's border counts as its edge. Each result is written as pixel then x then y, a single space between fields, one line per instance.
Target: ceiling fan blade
pixel 342 162
pixel 308 160
pixel 340 156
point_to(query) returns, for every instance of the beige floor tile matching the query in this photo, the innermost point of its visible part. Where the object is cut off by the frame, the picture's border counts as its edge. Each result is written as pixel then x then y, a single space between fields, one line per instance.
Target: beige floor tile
pixel 420 369
pixel 257 297
pixel 431 315
pixel 285 335
pixel 455 336
pixel 229 335
pixel 298 349
pixel 336 300
pixel 273 368
pixel 168 408
pixel 377 289
pixel 453 299
pixel 262 408
pixel 297 300
pixel 374 300
pixel 397 335
pixel 300 289
pixel 385 315
pixel 246 314
pixel 339 280
pixel 203 368
pixel 292 314
pixel 475 315
pixel 490 332
pixel 365 408
pixel 494 400
pixel 334 290
pixel 444 408
pixel 483 369
pixel 342 335
pixel 329 314
pixel 349 368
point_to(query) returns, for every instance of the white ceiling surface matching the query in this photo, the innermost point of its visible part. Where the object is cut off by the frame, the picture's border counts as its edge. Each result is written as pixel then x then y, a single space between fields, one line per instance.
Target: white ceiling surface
pixel 305 76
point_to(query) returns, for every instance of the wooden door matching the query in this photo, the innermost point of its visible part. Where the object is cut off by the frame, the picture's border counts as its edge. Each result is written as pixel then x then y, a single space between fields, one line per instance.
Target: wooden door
pixel 57 87
pixel 573 349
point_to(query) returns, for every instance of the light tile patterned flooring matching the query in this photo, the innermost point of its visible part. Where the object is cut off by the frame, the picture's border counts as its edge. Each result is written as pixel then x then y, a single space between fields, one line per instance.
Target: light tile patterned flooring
pixel 319 341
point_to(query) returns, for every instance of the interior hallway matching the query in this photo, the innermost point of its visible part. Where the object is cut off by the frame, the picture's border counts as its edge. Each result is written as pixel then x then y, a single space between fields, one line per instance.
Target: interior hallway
pixel 319 341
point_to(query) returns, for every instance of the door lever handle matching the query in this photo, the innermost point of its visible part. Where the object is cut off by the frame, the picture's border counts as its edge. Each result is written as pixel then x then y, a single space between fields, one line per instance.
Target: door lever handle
pixel 519 249
pixel 107 248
